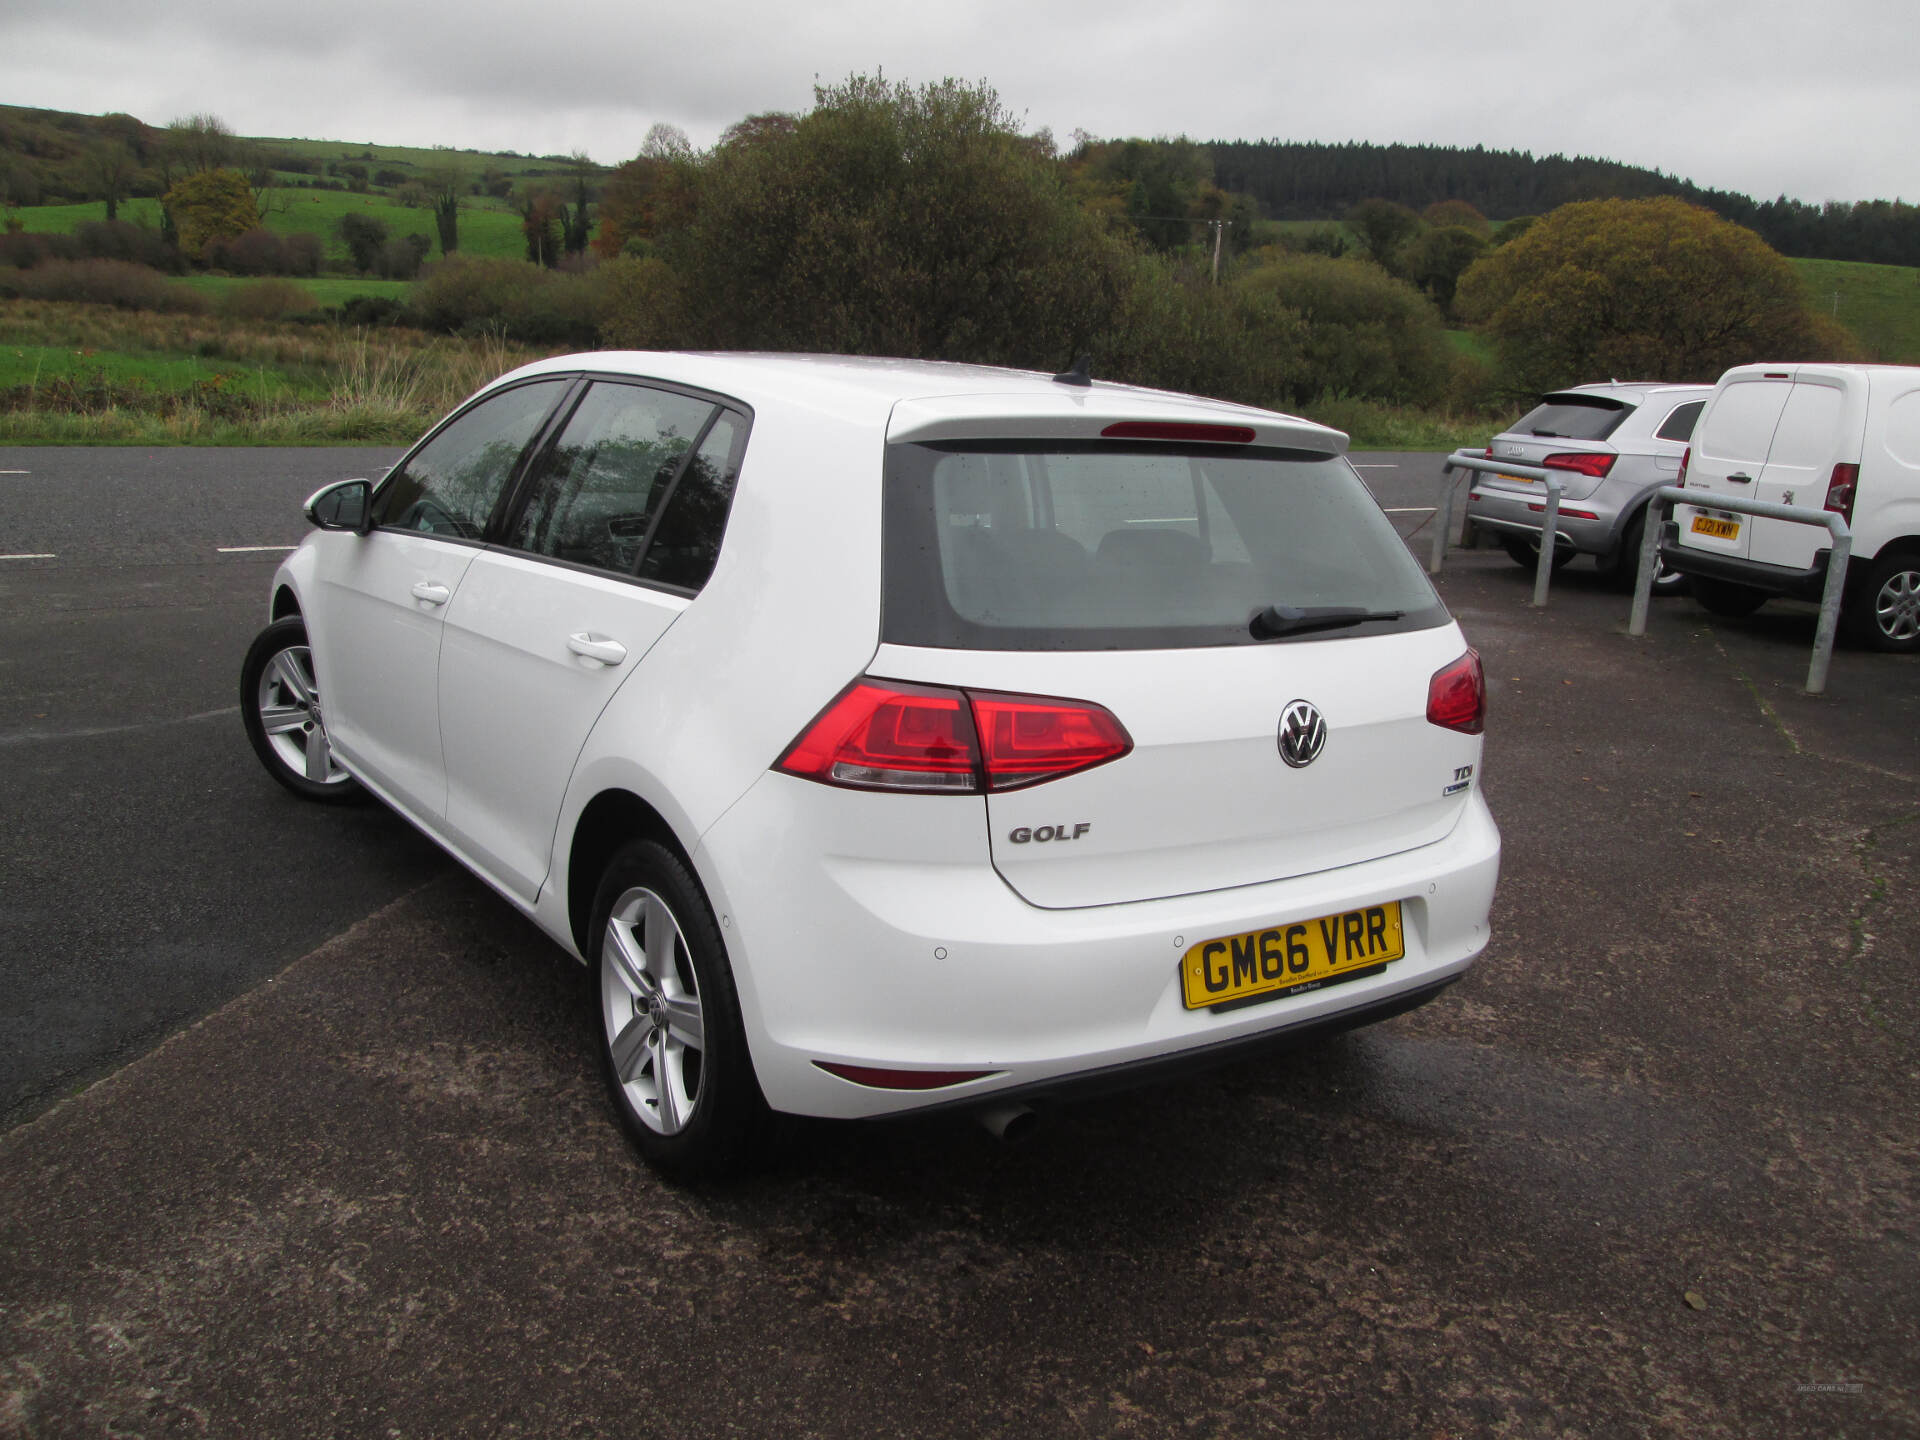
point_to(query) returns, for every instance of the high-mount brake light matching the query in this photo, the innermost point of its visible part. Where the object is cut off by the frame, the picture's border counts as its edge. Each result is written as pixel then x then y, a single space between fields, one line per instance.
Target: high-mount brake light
pixel 1585 462
pixel 1840 488
pixel 1192 432
pixel 1457 696
pixel 932 740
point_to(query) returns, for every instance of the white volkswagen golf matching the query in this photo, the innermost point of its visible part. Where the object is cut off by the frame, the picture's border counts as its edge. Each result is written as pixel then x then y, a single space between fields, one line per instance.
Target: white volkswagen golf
pixel 895 736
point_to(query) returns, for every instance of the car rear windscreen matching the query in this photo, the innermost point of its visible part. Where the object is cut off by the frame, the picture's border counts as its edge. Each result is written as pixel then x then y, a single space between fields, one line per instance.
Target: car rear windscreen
pixel 1573 417
pixel 1097 546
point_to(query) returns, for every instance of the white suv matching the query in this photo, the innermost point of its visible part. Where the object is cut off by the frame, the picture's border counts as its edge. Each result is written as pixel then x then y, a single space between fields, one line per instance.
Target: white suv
pixel 895 736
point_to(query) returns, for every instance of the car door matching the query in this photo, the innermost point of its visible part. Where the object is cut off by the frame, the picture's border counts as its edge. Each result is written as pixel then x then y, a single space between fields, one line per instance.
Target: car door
pixel 1729 451
pixel 377 620
pixel 549 624
pixel 1812 434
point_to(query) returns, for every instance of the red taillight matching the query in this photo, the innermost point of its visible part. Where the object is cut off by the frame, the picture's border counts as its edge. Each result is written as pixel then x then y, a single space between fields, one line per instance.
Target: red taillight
pixel 1026 739
pixel 875 1078
pixel 1840 490
pixel 1686 459
pixel 888 735
pixel 1585 462
pixel 1457 696
pixel 1487 453
pixel 1188 431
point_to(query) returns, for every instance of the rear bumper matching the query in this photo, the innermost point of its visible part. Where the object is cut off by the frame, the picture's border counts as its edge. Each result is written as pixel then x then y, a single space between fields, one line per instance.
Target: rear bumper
pixel 1504 512
pixel 1808 584
pixel 909 964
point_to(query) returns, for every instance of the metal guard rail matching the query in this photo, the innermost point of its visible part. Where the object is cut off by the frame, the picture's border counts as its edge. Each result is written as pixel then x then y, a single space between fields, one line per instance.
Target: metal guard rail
pixel 1550 521
pixel 1661 507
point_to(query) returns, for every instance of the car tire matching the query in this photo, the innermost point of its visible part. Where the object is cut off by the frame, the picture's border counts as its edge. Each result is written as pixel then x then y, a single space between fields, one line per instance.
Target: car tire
pixel 280 707
pixel 1526 553
pixel 1726 598
pixel 673 1050
pixel 1625 564
pixel 1886 613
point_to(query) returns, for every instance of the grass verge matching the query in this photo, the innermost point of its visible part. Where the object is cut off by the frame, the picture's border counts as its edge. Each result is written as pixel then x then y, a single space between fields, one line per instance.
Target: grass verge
pixel 91 375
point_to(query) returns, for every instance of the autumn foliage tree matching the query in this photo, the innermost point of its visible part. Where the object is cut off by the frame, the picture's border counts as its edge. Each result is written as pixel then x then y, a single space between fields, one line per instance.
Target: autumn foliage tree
pixel 1643 288
pixel 210 205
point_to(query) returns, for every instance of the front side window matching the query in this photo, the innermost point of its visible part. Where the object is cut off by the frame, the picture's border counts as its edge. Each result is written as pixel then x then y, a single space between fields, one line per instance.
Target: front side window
pixel 450 485
pixel 1091 546
pixel 599 488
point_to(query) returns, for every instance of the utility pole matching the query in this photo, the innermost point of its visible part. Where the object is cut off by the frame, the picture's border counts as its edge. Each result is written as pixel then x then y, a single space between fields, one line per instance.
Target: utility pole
pixel 1219 229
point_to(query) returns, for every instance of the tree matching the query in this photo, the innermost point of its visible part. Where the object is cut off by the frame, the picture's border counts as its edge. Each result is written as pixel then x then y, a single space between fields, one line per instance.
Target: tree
pixel 1360 331
pixel 1456 214
pixel 366 238
pixel 210 205
pixel 644 197
pixel 541 216
pixel 111 167
pixel 199 143
pixel 1435 260
pixel 896 221
pixel 1650 288
pixel 578 221
pixel 443 181
pixel 1383 227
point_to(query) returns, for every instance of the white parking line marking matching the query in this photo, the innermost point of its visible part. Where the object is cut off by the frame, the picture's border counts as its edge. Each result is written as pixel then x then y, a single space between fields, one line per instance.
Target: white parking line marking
pixel 16 472
pixel 1413 510
pixel 249 549
pixel 1376 467
pixel 29 557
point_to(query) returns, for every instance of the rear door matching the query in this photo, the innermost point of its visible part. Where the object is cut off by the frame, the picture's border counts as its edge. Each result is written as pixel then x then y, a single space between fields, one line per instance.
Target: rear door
pixel 1817 428
pixel 1131 579
pixel 618 530
pixel 1729 451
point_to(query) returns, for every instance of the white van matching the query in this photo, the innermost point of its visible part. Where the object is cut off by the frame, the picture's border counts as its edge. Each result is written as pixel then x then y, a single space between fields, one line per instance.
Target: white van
pixel 1844 438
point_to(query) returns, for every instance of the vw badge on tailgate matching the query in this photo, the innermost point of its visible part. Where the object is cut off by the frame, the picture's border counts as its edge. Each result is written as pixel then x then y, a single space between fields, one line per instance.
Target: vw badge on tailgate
pixel 1303 734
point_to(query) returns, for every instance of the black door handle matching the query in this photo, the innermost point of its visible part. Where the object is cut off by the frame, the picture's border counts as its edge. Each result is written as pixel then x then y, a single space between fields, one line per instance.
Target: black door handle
pixel 1739 479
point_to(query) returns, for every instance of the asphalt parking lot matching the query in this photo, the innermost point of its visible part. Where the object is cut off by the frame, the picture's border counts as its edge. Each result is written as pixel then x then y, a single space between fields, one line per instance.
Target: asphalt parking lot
pixel 1649 1170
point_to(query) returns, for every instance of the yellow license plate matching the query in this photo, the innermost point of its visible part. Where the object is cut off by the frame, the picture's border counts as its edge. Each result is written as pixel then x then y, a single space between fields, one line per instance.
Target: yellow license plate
pixel 1719 529
pixel 1308 954
pixel 1520 479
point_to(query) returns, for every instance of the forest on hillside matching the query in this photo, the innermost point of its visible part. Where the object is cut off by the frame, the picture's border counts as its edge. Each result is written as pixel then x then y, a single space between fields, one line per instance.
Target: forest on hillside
pixel 1293 180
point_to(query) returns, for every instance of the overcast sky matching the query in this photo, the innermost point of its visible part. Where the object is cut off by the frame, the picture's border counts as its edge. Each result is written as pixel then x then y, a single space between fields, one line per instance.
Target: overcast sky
pixel 1815 98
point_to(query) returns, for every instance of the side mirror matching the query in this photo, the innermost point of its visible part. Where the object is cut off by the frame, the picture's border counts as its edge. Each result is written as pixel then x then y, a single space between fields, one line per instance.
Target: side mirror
pixel 343 505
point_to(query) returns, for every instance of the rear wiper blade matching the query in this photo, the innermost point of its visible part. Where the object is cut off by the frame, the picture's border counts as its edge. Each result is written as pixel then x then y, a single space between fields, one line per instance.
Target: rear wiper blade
pixel 1278 620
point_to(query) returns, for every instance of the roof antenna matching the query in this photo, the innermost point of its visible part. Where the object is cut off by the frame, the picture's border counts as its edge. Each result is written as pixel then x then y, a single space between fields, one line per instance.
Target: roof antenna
pixel 1080 374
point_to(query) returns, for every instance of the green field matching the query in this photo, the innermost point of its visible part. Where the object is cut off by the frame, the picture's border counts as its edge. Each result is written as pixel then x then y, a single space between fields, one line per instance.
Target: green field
pixel 1879 303
pixel 328 290
pixel 37 365
pixel 416 158
pixel 487 227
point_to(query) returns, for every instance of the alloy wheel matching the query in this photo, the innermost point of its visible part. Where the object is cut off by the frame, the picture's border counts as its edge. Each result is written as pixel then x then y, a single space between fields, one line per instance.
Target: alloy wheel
pixel 288 701
pixel 650 1004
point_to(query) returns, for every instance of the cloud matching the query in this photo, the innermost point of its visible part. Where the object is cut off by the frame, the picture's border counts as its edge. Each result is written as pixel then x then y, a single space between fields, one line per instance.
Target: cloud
pixel 1764 96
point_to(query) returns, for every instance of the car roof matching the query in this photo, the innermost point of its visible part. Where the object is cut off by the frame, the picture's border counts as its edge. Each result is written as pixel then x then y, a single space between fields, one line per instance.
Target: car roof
pixel 936 398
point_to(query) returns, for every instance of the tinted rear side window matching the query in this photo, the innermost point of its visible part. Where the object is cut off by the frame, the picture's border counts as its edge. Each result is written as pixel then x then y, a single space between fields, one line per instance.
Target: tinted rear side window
pixel 1100 547
pixel 1679 425
pixel 1573 417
